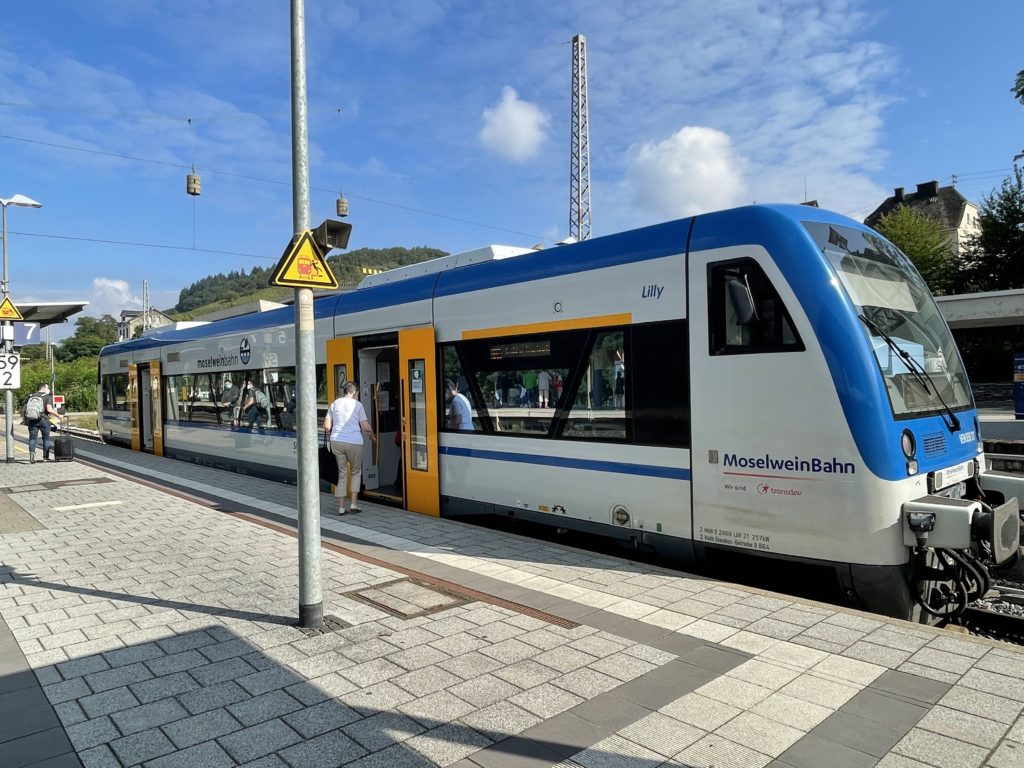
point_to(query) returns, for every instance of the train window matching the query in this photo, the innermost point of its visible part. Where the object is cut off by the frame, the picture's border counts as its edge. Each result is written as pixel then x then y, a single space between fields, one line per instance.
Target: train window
pixel 453 371
pixel 659 374
pixel 418 415
pixel 281 391
pixel 599 407
pixel 746 314
pixel 115 392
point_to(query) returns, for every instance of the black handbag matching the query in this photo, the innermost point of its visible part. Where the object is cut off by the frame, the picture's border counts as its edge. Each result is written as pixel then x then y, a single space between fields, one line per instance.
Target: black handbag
pixel 328 464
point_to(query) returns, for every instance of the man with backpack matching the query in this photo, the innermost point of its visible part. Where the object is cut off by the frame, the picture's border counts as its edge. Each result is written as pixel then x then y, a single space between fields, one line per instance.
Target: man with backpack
pixel 255 405
pixel 38 409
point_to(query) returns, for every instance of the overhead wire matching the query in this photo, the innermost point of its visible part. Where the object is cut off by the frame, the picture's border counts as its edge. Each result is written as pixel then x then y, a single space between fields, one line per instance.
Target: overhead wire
pixel 246 177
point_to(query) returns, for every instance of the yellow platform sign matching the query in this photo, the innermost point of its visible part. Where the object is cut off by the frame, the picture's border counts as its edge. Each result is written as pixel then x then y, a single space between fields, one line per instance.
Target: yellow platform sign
pixel 303 265
pixel 8 311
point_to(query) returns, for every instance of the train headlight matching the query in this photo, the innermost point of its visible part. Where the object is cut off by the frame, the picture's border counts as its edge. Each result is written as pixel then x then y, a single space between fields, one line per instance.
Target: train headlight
pixel 908 444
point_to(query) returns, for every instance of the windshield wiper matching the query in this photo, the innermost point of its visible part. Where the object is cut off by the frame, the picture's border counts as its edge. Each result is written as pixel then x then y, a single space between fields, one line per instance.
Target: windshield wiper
pixel 920 374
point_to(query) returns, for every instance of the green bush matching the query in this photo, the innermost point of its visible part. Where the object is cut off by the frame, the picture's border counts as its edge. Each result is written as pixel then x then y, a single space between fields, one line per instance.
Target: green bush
pixel 75 380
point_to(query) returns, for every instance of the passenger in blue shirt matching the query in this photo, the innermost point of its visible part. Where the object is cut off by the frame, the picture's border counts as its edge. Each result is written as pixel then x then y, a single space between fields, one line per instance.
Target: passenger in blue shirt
pixel 460 414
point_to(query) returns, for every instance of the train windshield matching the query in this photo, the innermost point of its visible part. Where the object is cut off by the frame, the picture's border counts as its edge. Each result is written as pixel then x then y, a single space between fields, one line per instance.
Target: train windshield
pixel 913 345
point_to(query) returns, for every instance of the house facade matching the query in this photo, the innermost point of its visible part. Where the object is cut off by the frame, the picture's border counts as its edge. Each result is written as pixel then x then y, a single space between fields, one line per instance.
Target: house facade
pixel 133 319
pixel 955 214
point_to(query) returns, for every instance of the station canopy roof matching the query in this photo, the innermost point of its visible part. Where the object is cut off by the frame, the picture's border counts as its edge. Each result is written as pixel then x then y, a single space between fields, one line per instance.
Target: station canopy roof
pixel 48 312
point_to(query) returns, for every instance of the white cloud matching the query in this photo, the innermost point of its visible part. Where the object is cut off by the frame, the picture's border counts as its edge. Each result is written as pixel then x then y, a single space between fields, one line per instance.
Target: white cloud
pixel 514 129
pixel 693 171
pixel 109 297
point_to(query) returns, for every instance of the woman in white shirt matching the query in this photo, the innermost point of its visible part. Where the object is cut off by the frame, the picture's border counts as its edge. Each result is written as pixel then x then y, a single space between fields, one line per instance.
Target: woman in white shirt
pixel 347 423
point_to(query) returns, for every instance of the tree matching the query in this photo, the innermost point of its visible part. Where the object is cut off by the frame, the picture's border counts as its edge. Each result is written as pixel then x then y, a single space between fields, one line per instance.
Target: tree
pixel 90 336
pixel 1018 93
pixel 924 242
pixel 994 259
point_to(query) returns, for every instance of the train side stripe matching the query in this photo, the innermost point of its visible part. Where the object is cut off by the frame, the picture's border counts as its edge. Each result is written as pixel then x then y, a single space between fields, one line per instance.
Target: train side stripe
pixel 601 321
pixel 671 473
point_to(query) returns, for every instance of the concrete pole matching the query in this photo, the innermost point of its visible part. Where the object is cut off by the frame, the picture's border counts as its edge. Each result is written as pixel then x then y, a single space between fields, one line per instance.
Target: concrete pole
pixel 311 597
pixel 8 395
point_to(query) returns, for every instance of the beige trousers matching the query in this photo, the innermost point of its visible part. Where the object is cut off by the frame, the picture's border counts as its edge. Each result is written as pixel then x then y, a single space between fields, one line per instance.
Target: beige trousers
pixel 346 454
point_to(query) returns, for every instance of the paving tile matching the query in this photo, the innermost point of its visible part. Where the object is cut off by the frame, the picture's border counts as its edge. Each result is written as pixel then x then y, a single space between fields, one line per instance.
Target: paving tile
pixel 886 709
pixel 765 735
pixel 500 720
pixel 982 704
pixel 142 746
pixel 382 730
pixel 980 731
pixel 939 750
pixel 763 673
pixel 163 687
pixel 861 734
pixel 877 654
pixel 700 711
pixel 397 756
pixel 729 690
pixel 212 697
pixel 996 684
pixel 259 740
pixel 1008 755
pixel 622 666
pixel 428 680
pixel 262 708
pixel 109 701
pixel 848 670
pixel 526 674
pixel 448 743
pixel 199 728
pixel 942 660
pixel 321 718
pixel 910 686
pixel 790 711
pixel 662 734
pixel 92 732
pixel 148 716
pixel 325 751
pixel 715 751
pixel 437 707
pixel 35 748
pixel 819 690
pixel 207 755
pixel 617 752
pixel 814 752
pixel 545 700
pixel 586 682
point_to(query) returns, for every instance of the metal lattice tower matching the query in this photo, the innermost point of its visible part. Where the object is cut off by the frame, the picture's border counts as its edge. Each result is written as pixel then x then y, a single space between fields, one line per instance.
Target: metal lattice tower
pixel 579 145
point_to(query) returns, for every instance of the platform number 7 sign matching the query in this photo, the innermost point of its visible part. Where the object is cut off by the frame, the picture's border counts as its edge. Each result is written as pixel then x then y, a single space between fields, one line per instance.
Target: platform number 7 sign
pixel 10 371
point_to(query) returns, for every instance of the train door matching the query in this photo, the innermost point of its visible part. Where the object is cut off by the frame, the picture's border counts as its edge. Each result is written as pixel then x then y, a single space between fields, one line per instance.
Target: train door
pixel 379 393
pixel 417 361
pixel 133 404
pixel 156 408
pixel 145 408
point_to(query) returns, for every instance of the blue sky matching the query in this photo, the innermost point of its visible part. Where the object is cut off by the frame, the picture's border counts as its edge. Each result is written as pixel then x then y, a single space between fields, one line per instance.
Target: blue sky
pixel 446 122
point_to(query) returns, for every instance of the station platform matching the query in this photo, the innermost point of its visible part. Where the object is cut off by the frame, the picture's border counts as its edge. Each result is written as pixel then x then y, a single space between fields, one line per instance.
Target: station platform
pixel 147 611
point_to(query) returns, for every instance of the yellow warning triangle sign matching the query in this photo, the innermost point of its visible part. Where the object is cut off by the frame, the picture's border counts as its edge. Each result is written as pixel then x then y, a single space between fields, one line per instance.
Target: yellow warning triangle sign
pixel 8 311
pixel 303 265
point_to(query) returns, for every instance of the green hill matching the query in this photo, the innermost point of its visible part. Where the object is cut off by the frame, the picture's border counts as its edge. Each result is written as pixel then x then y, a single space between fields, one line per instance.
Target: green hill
pixel 227 290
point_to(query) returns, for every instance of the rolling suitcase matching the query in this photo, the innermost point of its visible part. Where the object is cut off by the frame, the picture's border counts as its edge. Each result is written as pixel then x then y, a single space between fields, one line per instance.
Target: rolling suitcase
pixel 63 447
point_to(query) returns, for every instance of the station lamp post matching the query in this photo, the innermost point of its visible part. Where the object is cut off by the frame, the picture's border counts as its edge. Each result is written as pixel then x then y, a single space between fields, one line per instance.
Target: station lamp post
pixel 8 334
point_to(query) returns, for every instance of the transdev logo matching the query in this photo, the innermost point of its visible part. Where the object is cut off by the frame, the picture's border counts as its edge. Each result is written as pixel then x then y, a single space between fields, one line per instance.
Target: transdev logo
pixel 814 465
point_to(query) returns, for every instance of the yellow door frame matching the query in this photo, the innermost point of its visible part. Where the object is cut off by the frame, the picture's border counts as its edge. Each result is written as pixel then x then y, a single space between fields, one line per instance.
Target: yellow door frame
pixel 156 407
pixel 133 405
pixel 339 352
pixel 417 363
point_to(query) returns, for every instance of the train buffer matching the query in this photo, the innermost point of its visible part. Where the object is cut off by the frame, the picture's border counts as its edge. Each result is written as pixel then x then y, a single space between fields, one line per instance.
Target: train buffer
pixel 146 617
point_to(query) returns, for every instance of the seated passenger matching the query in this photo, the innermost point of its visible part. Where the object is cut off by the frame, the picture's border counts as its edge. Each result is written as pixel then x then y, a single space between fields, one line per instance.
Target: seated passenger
pixel 255 406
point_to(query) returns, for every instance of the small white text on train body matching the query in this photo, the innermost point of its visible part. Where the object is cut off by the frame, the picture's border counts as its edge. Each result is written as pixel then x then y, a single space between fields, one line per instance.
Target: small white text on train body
pixel 652 291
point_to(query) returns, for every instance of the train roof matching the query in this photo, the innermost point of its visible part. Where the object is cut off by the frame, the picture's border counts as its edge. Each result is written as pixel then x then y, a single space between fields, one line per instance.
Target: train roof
pixel 506 265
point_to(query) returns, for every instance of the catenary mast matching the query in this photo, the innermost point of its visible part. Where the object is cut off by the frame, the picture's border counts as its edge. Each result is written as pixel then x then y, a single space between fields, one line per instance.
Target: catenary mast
pixel 579 145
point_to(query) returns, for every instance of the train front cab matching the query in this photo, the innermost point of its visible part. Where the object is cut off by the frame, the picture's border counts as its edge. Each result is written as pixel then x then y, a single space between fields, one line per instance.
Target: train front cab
pixel 396 374
pixel 145 410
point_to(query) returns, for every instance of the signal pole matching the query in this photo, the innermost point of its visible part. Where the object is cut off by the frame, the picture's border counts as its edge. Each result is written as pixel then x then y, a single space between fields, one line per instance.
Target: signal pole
pixel 579 145
pixel 311 598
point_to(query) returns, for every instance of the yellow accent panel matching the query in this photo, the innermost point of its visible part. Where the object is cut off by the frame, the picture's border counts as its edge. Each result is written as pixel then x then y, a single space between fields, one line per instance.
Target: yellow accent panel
pixel 133 405
pixel 339 352
pixel 156 407
pixel 422 488
pixel 624 318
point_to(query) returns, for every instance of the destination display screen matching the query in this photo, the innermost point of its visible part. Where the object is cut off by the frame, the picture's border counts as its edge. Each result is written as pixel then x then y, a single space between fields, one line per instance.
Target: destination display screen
pixel 539 348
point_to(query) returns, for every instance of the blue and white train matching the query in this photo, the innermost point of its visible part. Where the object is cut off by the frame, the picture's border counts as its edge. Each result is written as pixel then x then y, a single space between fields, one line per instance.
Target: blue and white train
pixel 773 381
